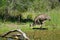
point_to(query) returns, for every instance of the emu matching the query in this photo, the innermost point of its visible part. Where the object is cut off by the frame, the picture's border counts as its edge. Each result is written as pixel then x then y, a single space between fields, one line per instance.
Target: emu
pixel 40 20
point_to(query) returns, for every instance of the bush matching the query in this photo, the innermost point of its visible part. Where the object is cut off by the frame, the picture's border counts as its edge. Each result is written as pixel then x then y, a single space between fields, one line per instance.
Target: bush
pixel 29 16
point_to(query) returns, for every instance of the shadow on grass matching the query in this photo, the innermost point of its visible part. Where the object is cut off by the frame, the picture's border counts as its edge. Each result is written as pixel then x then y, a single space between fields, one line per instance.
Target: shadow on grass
pixel 41 28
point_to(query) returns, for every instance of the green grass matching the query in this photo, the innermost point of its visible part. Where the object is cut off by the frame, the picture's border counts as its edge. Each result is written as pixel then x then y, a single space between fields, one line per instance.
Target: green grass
pixel 53 32
pixel 50 34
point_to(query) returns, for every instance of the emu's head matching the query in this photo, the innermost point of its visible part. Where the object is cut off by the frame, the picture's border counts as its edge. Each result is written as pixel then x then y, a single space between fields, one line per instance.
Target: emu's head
pixel 48 18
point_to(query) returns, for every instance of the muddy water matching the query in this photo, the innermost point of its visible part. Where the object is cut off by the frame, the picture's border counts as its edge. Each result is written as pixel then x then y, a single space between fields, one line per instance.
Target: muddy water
pixel 44 35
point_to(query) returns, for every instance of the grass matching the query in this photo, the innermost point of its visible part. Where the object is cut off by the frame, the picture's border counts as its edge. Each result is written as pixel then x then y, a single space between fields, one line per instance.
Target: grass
pixel 50 34
pixel 53 32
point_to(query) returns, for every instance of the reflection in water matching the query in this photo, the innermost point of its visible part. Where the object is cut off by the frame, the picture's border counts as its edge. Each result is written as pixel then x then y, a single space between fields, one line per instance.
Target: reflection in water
pixel 2 38
pixel 6 38
pixel 10 39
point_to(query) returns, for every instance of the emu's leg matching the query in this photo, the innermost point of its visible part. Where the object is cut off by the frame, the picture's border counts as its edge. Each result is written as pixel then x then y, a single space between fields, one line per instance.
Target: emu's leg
pixel 41 25
pixel 38 21
pixel 43 22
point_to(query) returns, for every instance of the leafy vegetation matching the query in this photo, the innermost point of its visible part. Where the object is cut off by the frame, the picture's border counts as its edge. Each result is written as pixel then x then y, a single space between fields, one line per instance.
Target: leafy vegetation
pixel 19 14
pixel 13 8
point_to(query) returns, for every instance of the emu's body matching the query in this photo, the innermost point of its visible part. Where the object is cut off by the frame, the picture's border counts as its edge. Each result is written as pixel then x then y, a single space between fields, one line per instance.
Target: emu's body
pixel 40 19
